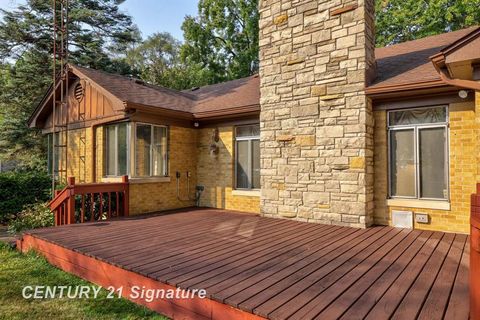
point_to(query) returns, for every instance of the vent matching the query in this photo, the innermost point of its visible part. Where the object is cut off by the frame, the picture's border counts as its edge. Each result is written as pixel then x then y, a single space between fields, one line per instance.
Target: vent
pixel 78 92
pixel 402 219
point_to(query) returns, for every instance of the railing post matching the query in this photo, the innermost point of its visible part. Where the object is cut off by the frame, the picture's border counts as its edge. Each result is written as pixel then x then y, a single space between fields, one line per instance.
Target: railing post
pixel 475 256
pixel 71 201
pixel 56 213
pixel 125 196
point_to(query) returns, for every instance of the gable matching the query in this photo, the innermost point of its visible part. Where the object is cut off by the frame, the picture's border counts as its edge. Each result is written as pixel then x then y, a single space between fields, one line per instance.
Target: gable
pixel 86 103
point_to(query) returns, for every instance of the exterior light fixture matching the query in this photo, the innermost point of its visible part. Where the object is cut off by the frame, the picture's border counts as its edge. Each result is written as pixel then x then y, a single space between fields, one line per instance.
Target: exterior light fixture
pixel 463 94
pixel 196 124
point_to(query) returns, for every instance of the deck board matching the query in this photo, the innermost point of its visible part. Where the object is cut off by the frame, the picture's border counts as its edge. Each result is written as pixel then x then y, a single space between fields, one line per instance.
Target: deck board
pixel 282 269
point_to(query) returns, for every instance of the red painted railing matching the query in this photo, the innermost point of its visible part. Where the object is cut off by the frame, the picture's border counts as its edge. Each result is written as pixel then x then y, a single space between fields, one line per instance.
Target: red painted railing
pixel 78 203
pixel 475 256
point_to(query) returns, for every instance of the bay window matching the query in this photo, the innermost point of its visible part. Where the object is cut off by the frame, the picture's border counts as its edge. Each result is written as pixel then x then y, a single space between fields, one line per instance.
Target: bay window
pixel 247 157
pixel 135 149
pixel 150 150
pixel 116 149
pixel 418 153
pixel 53 158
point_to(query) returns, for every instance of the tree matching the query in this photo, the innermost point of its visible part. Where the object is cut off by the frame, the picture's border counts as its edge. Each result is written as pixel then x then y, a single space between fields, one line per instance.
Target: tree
pixel 157 60
pixel 222 41
pixel 404 20
pixel 96 28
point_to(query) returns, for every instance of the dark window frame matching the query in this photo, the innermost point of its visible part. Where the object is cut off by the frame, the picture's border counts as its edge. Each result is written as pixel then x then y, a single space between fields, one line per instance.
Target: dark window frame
pixel 416 129
pixel 250 168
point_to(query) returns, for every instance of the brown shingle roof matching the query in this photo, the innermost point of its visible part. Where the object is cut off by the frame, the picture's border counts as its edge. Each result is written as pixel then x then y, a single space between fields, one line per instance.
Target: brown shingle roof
pixel 404 63
pixel 221 96
pixel 231 94
pixel 409 62
pixel 130 90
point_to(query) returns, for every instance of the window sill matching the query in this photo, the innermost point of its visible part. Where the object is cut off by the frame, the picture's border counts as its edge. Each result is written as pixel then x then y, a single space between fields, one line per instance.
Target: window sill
pixel 138 180
pixel 246 193
pixel 421 204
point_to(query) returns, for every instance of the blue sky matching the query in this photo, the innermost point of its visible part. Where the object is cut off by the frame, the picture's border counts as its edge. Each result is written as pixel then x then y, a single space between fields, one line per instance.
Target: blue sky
pixel 150 15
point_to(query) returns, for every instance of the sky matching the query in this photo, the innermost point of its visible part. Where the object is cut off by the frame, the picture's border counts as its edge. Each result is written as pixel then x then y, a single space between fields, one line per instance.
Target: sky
pixel 149 15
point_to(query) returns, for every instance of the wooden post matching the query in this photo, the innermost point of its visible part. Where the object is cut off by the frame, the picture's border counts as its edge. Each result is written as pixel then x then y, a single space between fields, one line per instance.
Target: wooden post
pixel 125 196
pixel 56 213
pixel 71 201
pixel 475 256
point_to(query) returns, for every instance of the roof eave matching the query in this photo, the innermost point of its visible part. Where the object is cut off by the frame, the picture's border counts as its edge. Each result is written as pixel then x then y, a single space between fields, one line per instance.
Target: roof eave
pixel 132 107
pixel 388 89
pixel 228 113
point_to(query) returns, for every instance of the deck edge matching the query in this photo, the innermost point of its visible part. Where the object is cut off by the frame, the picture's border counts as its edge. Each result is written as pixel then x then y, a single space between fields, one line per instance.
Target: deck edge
pixel 105 275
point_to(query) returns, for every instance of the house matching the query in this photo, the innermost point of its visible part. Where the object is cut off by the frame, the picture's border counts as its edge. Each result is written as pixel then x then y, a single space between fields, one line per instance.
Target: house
pixel 332 130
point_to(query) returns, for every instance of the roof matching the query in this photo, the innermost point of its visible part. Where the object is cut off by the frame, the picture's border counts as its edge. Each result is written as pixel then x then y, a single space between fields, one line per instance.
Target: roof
pixel 231 94
pixel 137 92
pixel 409 62
pixel 402 66
pixel 212 98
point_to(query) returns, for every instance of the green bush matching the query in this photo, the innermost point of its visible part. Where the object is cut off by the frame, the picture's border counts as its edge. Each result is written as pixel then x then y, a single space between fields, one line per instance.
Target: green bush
pixel 19 189
pixel 33 216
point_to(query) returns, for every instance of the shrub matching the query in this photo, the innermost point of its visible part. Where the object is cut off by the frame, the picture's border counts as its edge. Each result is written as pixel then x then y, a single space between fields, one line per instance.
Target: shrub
pixel 33 216
pixel 18 189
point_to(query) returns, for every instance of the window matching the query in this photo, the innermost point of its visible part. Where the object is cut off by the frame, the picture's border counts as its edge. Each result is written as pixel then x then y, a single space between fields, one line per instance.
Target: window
pixel 247 157
pixel 116 149
pixel 51 162
pixel 418 153
pixel 150 150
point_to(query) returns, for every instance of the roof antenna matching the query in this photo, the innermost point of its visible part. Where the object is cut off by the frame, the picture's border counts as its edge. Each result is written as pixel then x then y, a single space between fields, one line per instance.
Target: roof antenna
pixel 60 56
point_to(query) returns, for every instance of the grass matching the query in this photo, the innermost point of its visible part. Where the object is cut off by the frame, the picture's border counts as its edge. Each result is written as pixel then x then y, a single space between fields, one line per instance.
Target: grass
pixel 18 270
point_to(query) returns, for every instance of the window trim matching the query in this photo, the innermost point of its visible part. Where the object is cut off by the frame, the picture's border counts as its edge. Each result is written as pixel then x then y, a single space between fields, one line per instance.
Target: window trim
pixel 105 153
pixel 250 161
pixel 416 128
pixel 167 155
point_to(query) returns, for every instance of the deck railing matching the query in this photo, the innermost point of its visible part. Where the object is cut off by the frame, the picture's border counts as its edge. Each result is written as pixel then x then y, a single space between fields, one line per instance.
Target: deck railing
pixel 475 256
pixel 78 203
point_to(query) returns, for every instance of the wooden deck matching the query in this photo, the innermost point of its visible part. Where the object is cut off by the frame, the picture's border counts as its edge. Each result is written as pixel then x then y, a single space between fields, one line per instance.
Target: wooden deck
pixel 273 268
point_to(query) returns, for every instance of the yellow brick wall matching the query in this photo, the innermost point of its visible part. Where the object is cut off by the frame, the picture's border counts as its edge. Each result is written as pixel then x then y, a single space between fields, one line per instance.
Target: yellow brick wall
pixel 158 196
pixel 80 147
pixel 216 173
pixel 463 165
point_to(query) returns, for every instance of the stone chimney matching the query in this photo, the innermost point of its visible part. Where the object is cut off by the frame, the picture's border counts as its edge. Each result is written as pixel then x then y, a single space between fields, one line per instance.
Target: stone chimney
pixel 316 121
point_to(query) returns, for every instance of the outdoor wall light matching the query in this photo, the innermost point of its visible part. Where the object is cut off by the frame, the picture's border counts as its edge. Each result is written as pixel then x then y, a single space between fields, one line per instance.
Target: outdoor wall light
pixel 463 94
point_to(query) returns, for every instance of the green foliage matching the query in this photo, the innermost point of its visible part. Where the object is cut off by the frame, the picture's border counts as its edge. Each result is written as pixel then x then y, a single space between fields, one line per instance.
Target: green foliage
pixel 32 216
pixel 18 189
pixel 157 60
pixel 98 32
pixel 221 43
pixel 404 20
pixel 18 270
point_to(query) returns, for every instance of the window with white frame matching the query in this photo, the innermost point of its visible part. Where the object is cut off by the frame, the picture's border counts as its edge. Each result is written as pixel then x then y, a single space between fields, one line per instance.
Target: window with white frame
pixel 418 153
pixel 117 149
pixel 247 157
pixel 151 156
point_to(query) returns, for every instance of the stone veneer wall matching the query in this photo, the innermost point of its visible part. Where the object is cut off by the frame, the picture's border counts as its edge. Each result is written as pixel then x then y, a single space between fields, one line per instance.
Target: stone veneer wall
pixel 464 170
pixel 316 121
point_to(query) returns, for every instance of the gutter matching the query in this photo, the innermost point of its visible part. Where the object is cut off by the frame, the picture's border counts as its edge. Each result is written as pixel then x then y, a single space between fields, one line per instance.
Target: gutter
pixel 462 83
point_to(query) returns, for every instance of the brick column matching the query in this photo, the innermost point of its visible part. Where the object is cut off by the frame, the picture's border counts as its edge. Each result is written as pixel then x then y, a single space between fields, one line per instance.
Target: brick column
pixel 316 121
